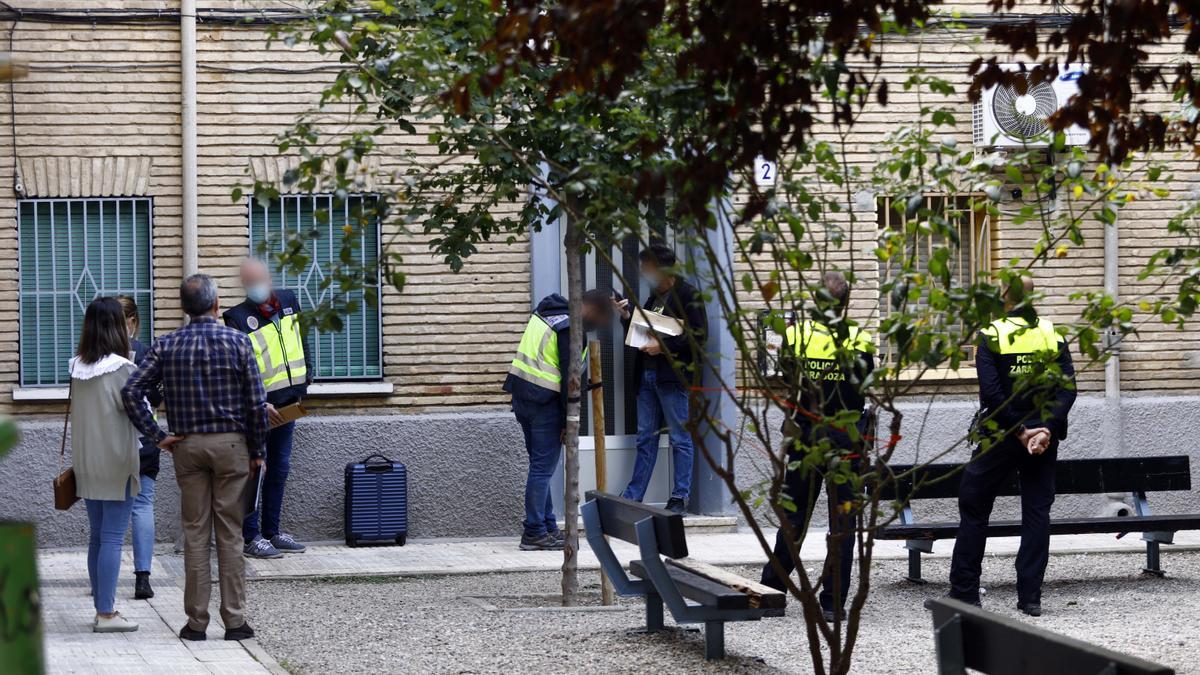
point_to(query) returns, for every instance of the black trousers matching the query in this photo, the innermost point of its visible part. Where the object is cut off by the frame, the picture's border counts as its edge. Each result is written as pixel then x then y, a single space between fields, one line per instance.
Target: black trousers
pixel 981 480
pixel 804 491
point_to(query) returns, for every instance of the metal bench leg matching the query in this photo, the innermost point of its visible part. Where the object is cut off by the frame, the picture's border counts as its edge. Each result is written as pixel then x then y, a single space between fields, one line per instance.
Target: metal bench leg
pixel 654 612
pixel 714 640
pixel 914 567
pixel 1153 565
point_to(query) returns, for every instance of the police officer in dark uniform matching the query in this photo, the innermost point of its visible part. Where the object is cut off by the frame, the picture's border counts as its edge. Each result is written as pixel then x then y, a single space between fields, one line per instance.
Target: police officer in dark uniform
pixel 828 366
pixel 1032 420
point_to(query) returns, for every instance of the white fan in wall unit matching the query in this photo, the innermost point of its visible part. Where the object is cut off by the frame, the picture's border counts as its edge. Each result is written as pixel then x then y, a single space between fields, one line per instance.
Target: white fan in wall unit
pixel 1007 118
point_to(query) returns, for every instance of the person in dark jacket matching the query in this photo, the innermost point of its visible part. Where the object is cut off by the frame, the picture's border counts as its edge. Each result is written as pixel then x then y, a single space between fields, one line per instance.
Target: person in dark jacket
pixel 537 380
pixel 1033 420
pixel 142 518
pixel 666 370
pixel 828 367
pixel 271 317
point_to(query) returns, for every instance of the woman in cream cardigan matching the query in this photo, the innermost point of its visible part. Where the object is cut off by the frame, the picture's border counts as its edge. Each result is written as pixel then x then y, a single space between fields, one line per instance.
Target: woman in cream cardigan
pixel 104 451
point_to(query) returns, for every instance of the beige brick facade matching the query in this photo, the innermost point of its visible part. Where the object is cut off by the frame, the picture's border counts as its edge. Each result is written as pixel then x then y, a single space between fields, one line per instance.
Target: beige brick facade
pixel 105 99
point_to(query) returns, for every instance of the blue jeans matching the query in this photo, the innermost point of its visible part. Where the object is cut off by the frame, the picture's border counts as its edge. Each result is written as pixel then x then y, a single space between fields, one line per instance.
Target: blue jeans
pixel 657 403
pixel 279 463
pixel 142 526
pixel 107 522
pixel 542 424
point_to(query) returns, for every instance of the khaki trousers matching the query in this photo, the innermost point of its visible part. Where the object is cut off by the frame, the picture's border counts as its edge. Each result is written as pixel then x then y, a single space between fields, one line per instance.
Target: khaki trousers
pixel 211 470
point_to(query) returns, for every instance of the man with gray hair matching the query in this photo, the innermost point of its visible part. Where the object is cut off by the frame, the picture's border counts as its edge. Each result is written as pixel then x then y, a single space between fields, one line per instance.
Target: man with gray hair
pixel 217 410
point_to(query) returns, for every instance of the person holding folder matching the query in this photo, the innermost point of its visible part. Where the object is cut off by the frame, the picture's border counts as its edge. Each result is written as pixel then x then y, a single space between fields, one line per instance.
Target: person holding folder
pixel 271 317
pixel 666 368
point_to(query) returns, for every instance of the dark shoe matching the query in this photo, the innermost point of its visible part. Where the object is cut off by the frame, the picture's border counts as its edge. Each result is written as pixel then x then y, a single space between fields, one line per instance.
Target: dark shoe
pixel 1030 608
pixel 285 543
pixel 560 535
pixel 676 505
pixel 546 542
pixel 261 548
pixel 141 586
pixel 242 632
pixel 186 633
pixel 829 616
pixel 929 601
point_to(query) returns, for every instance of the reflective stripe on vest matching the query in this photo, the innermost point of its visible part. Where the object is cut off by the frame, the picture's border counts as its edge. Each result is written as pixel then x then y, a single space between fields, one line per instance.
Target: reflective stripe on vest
pixel 279 352
pixel 816 342
pixel 537 360
pixel 1014 335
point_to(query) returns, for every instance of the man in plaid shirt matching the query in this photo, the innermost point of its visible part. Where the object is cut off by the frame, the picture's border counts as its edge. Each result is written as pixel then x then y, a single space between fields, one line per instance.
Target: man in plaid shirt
pixel 218 416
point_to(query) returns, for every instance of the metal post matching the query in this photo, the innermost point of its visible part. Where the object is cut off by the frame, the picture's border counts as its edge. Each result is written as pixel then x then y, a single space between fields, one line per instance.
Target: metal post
pixel 654 612
pixel 948 638
pixel 714 640
pixel 598 424
pixel 914 567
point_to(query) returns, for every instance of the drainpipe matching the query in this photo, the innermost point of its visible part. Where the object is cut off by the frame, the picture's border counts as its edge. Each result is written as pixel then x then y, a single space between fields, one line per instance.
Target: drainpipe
pixel 1113 432
pixel 187 62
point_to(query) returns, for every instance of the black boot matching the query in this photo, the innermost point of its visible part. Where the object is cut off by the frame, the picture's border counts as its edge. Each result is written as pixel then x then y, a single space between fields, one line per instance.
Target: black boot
pixel 141 586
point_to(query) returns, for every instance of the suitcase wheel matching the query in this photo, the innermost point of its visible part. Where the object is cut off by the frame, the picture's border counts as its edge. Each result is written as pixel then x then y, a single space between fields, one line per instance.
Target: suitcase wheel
pixel 401 539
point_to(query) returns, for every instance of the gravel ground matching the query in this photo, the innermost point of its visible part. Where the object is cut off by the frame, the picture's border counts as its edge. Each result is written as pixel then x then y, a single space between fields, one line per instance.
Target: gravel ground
pixel 427 624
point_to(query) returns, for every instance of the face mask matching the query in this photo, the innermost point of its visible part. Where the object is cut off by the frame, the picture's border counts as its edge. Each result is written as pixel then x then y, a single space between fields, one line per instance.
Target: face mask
pixel 258 293
pixel 653 279
pixel 589 326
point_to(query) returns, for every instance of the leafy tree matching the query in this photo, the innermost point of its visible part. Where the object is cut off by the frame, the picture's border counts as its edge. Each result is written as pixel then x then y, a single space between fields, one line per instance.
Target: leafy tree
pixel 605 107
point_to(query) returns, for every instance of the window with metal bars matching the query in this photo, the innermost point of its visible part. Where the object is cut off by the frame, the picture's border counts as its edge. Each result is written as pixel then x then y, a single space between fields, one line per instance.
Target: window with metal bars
pixel 354 352
pixel 970 256
pixel 70 252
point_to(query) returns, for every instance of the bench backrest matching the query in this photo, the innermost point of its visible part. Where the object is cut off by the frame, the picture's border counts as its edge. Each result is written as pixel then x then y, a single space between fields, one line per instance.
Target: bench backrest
pixel 970 637
pixel 618 516
pixel 1072 476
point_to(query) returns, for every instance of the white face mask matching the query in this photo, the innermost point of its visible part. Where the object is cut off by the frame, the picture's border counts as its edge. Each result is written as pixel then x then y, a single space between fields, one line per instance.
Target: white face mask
pixel 652 279
pixel 258 293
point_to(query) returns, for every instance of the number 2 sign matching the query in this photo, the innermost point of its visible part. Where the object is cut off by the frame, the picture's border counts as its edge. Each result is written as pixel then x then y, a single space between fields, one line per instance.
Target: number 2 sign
pixel 764 172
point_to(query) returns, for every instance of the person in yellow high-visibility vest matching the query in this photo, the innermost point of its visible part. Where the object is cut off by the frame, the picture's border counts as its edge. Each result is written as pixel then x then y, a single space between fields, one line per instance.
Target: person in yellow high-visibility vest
pixel 537 380
pixel 1032 419
pixel 829 367
pixel 271 317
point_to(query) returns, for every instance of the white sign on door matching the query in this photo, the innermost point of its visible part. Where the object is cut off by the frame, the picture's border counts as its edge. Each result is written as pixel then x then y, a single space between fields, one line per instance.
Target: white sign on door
pixel 764 172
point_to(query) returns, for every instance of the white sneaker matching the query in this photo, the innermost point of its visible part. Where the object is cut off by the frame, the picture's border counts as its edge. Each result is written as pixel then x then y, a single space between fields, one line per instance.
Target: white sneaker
pixel 113 624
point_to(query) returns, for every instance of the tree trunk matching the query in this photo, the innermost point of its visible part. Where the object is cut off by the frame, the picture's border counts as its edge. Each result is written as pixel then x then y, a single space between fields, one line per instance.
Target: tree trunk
pixel 570 578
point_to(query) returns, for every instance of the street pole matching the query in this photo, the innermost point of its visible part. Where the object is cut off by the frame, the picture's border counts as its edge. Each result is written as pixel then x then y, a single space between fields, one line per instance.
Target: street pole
pixel 597 378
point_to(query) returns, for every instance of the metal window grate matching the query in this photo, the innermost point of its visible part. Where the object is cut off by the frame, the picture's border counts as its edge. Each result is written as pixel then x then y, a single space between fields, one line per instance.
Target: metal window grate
pixel 971 257
pixel 356 351
pixel 70 252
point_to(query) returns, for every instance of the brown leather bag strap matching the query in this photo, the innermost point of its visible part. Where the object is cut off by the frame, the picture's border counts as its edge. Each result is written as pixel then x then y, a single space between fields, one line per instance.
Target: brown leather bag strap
pixel 62 452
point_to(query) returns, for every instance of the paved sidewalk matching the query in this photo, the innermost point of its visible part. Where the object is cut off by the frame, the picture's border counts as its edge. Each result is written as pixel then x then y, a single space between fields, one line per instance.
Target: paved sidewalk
pixel 72 648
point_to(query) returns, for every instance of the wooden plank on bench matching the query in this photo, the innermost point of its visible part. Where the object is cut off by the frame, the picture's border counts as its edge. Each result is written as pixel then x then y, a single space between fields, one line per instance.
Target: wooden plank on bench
pixel 1072 476
pixel 619 516
pixel 760 596
pixel 1012 528
pixel 991 643
pixel 698 588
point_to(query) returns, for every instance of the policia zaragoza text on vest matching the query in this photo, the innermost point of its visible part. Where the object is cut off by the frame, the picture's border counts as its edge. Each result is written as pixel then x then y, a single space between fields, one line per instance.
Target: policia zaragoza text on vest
pixel 828 368
pixel 271 317
pixel 1034 420
pixel 537 381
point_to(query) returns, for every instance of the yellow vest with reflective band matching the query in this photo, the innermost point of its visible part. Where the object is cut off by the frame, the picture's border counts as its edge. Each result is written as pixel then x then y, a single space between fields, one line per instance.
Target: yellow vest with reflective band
pixel 537 361
pixel 279 351
pixel 814 341
pixel 1014 335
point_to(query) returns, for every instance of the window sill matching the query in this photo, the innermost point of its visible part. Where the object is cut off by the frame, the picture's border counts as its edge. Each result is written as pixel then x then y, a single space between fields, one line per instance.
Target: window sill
pixel 964 373
pixel 331 389
pixel 40 393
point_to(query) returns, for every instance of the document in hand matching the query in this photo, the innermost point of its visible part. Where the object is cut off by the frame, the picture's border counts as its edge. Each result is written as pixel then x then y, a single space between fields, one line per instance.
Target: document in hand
pixel 644 323
pixel 289 413
pixel 252 495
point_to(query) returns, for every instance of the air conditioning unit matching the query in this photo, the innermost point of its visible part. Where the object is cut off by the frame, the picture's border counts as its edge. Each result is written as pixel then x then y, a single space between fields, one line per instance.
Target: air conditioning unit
pixel 1005 118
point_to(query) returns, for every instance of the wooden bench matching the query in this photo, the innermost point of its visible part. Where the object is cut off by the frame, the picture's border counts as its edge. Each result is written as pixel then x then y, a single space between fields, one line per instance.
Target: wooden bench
pixel 969 637
pixel 1135 475
pixel 694 591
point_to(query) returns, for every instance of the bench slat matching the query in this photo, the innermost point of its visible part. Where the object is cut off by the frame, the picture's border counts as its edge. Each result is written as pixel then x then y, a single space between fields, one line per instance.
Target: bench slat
pixel 697 588
pixel 618 516
pixel 1012 528
pixel 760 596
pixel 1072 476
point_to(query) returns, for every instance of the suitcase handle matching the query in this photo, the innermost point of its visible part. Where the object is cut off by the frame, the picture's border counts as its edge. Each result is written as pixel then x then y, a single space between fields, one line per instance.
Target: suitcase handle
pixel 384 464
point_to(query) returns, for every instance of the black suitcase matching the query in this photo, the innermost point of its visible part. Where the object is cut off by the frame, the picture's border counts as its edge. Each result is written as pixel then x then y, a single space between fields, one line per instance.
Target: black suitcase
pixel 376 501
